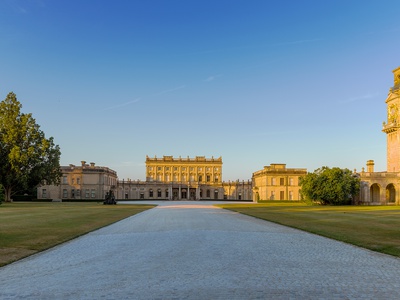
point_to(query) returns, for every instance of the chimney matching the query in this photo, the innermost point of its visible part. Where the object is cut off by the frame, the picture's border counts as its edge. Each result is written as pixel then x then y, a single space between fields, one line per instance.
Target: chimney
pixel 83 163
pixel 92 164
pixel 370 166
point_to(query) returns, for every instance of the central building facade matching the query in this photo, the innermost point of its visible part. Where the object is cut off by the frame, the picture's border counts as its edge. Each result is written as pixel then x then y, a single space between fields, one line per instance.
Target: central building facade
pixel 184 178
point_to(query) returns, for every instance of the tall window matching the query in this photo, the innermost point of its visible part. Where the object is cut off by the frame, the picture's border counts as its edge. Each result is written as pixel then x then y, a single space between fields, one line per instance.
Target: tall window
pixel 72 193
pixel 208 194
pixel 166 193
pixel 93 193
pixel 282 195
pixel 290 195
pixel 78 193
pixel 273 181
pixel 159 193
pixel 200 178
pixel 151 193
pixel 291 181
pixel 65 193
pixel 87 193
pixel 282 181
pixel 44 193
pixel 208 178
pixel 78 181
pixel 65 179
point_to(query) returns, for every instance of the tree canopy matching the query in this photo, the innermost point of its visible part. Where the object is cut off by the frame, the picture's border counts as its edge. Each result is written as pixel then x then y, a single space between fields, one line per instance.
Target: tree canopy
pixel 330 186
pixel 27 158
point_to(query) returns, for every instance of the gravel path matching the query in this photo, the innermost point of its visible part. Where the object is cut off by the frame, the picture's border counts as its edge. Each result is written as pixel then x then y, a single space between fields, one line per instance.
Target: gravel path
pixel 192 250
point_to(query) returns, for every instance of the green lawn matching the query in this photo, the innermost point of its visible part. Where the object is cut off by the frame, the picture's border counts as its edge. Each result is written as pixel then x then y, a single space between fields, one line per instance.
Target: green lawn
pixel 27 228
pixel 373 227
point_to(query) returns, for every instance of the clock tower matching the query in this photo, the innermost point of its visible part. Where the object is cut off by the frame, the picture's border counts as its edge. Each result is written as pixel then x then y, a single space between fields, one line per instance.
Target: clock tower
pixel 392 126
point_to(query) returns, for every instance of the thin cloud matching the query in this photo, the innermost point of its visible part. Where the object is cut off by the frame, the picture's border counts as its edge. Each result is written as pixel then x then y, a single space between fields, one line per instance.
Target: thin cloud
pixel 359 98
pixel 297 42
pixel 121 105
pixel 212 78
pixel 170 91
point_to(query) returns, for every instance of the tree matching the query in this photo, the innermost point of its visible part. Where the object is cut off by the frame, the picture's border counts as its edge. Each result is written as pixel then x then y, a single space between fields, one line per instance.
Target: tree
pixel 27 158
pixel 330 186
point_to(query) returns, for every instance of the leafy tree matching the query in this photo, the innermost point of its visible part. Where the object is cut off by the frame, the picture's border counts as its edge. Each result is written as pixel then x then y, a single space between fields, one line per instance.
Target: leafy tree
pixel 27 158
pixel 330 186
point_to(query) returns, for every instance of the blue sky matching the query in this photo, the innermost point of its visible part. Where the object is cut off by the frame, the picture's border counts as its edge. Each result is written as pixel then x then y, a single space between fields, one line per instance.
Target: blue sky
pixel 256 82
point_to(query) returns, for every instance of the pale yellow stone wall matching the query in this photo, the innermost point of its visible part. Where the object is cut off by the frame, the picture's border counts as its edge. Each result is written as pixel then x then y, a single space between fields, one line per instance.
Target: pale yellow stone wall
pixel 199 169
pixel 276 182
pixel 81 182
pixel 392 125
pixel 384 187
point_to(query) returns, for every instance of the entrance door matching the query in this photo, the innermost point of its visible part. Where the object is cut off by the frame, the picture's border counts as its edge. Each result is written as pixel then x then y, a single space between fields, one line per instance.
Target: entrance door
pixel 184 194
pixel 192 194
pixel 175 194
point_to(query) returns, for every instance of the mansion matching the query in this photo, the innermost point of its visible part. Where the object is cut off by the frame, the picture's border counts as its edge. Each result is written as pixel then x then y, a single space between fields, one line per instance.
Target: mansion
pixel 169 178
pixel 200 178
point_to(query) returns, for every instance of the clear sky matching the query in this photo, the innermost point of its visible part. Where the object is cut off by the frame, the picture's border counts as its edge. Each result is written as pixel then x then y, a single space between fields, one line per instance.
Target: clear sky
pixel 256 82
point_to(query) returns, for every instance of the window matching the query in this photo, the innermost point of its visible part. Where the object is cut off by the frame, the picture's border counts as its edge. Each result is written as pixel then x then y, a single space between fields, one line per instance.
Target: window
pixel 273 181
pixel 183 169
pixel 78 193
pixel 290 195
pixel 272 195
pixel 159 177
pixel 158 168
pixel 167 168
pixel 208 169
pixel 166 193
pixel 183 177
pixel 291 181
pixel 44 193
pixel 65 193
pixel 87 193
pixel 208 178
pixel 78 181
pixel 65 180
pixel 200 178
pixel 167 177
pixel 175 177
pixel 159 193
pixel 216 194
pixel 208 194
pixel 200 169
pixel 72 193
pixel 175 168
pixel 216 179
pixel 93 193
pixel 151 193
pixel 73 180
pixel 282 181
pixel 282 195
pixel 191 177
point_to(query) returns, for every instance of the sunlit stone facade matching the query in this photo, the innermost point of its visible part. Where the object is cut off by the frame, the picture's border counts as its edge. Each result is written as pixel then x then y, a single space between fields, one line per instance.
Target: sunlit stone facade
pixel 384 187
pixel 276 182
pixel 84 182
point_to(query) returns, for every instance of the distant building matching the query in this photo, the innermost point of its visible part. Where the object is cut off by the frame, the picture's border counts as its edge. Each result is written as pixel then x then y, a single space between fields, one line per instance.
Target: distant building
pixel 276 182
pixel 198 178
pixel 167 178
pixel 384 187
pixel 81 182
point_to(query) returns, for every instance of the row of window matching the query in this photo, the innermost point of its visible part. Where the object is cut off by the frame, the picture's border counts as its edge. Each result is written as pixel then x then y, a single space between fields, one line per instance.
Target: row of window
pixel 281 181
pixel 89 193
pixel 159 177
pixel 109 180
pixel 208 169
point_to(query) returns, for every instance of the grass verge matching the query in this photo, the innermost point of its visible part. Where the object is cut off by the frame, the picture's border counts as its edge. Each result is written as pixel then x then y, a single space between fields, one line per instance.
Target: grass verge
pixel 27 228
pixel 373 227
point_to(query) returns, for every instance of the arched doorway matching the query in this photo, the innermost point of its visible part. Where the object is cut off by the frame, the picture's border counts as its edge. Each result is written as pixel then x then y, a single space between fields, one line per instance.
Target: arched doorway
pixel 375 191
pixel 390 194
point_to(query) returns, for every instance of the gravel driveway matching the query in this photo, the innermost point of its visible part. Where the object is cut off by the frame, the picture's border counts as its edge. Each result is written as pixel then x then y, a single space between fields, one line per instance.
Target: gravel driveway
pixel 192 250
